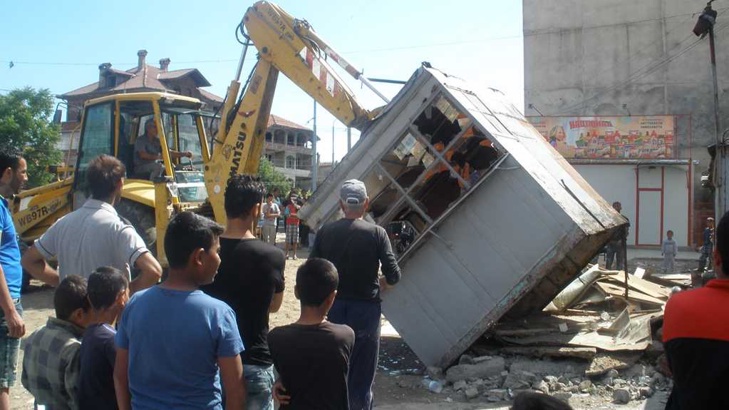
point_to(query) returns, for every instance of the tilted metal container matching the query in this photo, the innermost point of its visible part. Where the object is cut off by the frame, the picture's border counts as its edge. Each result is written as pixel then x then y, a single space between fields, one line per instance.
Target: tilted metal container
pixel 486 217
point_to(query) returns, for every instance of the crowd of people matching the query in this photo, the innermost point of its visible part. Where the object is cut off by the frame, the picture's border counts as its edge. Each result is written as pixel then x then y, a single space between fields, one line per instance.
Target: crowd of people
pixel 274 210
pixel 200 338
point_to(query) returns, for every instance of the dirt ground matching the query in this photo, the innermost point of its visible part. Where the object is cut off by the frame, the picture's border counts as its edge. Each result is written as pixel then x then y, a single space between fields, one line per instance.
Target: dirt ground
pixel 400 376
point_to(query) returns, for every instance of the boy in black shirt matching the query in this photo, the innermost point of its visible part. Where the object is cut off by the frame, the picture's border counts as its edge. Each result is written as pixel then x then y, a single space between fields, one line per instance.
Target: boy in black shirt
pixel 251 281
pixel 108 290
pixel 312 354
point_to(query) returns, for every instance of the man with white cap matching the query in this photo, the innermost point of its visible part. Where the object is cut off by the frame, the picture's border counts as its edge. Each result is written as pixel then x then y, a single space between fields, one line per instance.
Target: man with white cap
pixel 357 249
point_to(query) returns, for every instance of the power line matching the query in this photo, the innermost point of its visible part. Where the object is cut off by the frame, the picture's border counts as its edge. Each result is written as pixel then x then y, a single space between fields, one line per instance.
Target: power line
pixel 643 50
pixel 649 69
pixel 399 48
pixel 622 23
pixel 640 51
pixel 452 43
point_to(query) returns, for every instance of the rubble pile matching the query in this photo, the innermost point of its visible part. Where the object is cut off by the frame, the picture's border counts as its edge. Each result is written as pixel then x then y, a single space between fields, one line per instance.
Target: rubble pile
pixel 591 340
pixel 498 378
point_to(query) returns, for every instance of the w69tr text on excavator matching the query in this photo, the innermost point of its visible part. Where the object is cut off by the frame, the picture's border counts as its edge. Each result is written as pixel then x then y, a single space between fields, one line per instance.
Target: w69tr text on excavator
pixel 112 124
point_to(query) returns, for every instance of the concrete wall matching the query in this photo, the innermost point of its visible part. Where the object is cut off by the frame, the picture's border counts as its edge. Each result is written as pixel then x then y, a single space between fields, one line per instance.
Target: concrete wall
pixel 624 57
pixel 663 202
pixel 592 57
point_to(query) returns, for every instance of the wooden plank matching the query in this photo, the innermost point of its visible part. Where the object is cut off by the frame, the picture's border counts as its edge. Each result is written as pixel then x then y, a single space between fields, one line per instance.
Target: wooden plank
pixel 668 283
pixel 673 276
pixel 642 285
pixel 524 332
pixel 619 292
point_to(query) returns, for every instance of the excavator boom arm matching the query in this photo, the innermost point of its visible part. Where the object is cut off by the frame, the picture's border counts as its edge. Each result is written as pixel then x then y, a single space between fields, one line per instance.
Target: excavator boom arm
pixel 293 48
pixel 285 45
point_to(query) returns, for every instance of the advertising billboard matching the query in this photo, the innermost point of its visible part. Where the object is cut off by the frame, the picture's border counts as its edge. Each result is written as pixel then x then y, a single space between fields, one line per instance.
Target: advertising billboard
pixel 634 137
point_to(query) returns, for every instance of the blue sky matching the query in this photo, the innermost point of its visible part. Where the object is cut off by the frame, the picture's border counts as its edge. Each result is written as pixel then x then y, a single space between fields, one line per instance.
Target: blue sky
pixel 59 45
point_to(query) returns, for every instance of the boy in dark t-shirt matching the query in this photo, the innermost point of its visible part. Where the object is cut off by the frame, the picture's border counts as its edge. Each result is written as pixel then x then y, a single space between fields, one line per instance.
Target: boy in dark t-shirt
pixel 312 354
pixel 250 280
pixel 108 290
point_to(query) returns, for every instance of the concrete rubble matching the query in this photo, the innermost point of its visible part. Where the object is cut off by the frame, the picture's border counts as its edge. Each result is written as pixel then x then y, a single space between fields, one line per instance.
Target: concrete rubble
pixel 544 362
pixel 556 377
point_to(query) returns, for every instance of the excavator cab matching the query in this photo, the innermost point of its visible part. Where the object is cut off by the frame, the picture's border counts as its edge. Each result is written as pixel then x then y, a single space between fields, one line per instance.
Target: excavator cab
pixel 112 125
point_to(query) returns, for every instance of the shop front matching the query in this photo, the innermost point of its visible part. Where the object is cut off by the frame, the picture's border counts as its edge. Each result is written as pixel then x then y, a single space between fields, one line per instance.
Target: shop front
pixel 635 161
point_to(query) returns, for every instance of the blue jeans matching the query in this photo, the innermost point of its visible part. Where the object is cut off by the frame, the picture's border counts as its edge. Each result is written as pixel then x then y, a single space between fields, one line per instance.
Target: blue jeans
pixel 9 347
pixel 363 316
pixel 259 387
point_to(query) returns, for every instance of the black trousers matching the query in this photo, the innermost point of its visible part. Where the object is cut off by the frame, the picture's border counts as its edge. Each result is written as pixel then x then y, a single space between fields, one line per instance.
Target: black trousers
pixel 364 318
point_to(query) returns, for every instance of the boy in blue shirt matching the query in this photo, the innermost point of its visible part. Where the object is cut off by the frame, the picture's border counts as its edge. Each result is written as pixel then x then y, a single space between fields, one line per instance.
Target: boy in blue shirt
pixel 174 342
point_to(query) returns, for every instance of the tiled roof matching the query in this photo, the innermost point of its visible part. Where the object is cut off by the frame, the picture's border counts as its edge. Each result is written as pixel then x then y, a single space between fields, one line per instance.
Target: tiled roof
pixel 81 91
pixel 210 96
pixel 140 80
pixel 281 122
pixel 150 78
pixel 197 76
pixel 120 72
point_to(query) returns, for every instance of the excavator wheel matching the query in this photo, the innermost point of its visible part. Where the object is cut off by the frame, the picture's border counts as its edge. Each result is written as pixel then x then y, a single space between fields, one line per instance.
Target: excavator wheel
pixel 141 217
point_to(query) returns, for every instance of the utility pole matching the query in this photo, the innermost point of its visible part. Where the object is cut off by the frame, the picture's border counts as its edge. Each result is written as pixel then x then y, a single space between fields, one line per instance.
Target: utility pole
pixel 333 121
pixel 349 139
pixel 314 162
pixel 704 26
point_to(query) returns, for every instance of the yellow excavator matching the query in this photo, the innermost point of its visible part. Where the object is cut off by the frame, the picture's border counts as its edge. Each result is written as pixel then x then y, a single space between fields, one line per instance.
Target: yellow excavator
pixel 111 125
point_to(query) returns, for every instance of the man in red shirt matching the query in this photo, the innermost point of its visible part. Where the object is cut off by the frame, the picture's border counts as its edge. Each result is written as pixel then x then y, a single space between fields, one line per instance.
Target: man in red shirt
pixel 292 225
pixel 696 336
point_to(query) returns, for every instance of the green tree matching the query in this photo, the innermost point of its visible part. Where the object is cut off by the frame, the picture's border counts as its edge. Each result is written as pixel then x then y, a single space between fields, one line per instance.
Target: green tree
pixel 25 122
pixel 272 177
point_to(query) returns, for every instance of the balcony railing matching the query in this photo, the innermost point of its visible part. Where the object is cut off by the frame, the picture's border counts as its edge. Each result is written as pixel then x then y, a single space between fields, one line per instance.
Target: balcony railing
pixel 274 146
pixel 301 165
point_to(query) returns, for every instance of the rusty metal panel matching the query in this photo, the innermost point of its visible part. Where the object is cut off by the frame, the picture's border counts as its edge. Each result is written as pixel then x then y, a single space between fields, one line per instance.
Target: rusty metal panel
pixel 505 244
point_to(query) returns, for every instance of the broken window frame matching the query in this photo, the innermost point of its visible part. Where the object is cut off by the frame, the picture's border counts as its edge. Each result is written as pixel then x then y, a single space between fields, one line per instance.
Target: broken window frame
pixel 406 194
pixel 439 160
pixel 451 208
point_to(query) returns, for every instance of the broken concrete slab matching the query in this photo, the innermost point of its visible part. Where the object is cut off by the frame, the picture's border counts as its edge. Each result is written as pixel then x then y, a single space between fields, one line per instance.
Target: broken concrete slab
pixel 606 361
pixel 498 394
pixel 562 395
pixel 523 373
pixel 471 393
pixel 460 385
pixel 543 368
pixel 645 392
pixel 542 386
pixel 621 396
pixel 638 371
pixel 551 351
pixel 481 370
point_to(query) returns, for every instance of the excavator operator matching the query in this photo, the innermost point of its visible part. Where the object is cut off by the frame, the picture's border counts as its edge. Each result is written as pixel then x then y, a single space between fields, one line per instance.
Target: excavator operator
pixel 148 153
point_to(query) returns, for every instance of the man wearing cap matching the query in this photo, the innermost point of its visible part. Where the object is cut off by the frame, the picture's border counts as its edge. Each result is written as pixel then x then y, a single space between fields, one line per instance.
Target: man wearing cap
pixel 357 249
